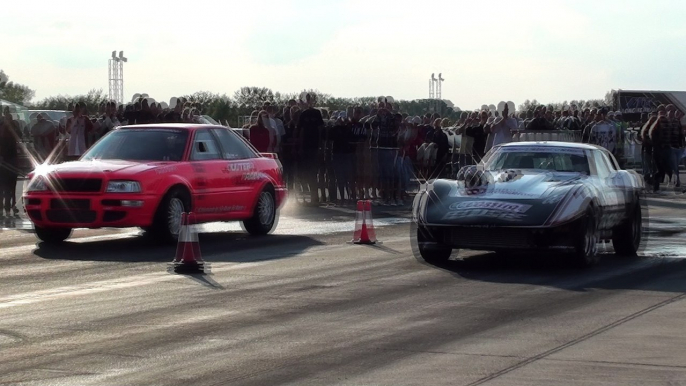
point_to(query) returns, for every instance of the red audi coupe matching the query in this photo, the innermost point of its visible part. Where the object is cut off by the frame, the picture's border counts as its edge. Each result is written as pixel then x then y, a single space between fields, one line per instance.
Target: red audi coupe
pixel 148 175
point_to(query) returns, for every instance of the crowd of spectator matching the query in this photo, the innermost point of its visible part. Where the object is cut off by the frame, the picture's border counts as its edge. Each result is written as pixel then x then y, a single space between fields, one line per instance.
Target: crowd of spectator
pixel 372 151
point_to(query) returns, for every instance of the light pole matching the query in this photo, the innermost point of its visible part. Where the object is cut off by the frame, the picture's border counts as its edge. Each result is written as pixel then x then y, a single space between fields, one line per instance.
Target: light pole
pixel 116 76
pixel 439 93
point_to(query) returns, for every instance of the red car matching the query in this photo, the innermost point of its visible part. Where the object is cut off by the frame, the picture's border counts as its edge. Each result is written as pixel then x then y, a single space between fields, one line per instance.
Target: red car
pixel 147 175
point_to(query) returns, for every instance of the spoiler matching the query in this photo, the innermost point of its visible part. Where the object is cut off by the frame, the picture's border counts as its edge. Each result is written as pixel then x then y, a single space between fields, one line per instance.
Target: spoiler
pixel 270 155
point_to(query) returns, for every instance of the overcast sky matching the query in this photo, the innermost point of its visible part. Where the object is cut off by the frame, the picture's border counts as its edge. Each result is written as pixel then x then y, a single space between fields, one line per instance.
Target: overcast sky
pixel 488 50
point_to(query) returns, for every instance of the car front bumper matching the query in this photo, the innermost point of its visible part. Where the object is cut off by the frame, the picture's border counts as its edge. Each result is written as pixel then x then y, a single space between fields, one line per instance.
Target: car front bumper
pixel 48 210
pixel 503 238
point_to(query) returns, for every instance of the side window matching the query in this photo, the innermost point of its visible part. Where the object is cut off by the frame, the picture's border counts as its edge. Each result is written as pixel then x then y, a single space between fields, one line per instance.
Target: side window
pixel 232 146
pixel 601 165
pixel 613 162
pixel 205 147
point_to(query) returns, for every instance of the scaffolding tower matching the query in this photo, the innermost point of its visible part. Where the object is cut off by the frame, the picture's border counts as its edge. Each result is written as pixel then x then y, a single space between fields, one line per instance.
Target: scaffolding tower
pixel 116 76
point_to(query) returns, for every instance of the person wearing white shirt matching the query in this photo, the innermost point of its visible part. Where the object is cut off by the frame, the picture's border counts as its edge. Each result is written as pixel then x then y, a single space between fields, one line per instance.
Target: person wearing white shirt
pixel 502 128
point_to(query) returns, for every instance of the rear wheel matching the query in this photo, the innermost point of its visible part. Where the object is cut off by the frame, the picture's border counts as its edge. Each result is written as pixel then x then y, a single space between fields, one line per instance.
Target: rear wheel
pixel 586 253
pixel 626 238
pixel 429 249
pixel 53 235
pixel 264 215
pixel 167 222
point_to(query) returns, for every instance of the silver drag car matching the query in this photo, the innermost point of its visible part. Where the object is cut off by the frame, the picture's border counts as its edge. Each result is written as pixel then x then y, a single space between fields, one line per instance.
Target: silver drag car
pixel 533 196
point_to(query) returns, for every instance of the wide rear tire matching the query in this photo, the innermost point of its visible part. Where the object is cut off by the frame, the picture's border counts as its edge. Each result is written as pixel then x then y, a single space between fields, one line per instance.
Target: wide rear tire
pixel 626 238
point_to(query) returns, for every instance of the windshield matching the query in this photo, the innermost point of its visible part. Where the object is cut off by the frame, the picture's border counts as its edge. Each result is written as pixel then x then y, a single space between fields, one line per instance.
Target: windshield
pixel 140 145
pixel 558 159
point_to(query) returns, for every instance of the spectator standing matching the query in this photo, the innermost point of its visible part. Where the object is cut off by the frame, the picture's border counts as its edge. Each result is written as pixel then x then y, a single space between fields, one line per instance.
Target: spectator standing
pixel 311 126
pixel 676 143
pixel 647 160
pixel 10 135
pixel 604 132
pixel 502 129
pixel 44 134
pixel 260 136
pixel 343 152
pixel 660 133
pixel 77 128
pixel 387 145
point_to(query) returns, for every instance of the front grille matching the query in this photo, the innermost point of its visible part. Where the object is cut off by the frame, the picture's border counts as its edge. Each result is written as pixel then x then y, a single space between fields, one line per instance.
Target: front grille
pixel 472 237
pixel 76 185
pixel 58 203
pixel 113 215
pixel 35 215
pixel 71 216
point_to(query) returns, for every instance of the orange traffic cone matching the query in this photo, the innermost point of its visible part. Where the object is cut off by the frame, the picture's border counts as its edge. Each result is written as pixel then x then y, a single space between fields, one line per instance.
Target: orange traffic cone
pixel 364 225
pixel 188 259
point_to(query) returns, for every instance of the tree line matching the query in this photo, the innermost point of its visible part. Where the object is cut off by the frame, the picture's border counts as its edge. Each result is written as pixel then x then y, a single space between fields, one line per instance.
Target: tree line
pixel 244 101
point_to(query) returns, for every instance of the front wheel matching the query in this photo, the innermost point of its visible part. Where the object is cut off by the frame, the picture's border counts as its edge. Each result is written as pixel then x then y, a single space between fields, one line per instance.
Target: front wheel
pixel 586 253
pixel 429 250
pixel 264 215
pixel 167 223
pixel 53 235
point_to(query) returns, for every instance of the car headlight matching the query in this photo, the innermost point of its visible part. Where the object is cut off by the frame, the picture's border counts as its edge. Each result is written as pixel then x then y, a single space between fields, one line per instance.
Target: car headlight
pixel 554 199
pixel 123 187
pixel 37 185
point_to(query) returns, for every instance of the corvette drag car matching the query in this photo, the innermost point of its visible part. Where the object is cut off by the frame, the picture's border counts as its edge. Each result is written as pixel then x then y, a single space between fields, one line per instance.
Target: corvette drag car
pixel 148 175
pixel 533 196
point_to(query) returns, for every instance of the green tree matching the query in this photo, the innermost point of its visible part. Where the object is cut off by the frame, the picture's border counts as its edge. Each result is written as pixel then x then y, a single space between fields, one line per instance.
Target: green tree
pixel 14 92
pixel 92 100
pixel 253 96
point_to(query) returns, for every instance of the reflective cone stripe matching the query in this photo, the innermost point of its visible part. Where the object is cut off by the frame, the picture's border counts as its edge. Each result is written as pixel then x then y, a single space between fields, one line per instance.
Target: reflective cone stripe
pixel 182 237
pixel 369 222
pixel 195 242
pixel 188 248
pixel 359 221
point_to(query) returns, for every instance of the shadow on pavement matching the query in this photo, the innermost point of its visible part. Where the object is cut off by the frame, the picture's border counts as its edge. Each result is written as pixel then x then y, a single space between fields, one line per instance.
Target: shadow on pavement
pixel 214 247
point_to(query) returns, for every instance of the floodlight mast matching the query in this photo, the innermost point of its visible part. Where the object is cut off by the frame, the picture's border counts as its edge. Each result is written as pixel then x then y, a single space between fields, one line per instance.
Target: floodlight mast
pixel 116 76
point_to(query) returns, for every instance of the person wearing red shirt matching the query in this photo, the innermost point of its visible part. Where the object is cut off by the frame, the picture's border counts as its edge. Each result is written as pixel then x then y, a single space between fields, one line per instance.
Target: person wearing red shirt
pixel 260 136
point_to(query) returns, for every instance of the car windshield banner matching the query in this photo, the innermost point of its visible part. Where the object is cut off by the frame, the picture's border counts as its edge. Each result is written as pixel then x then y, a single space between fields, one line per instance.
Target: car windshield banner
pixel 543 149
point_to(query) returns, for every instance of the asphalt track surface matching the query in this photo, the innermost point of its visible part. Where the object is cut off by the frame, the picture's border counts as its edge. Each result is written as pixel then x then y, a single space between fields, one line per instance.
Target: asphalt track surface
pixel 303 307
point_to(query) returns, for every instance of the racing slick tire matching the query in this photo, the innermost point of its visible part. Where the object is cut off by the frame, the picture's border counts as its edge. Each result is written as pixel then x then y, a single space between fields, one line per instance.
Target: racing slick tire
pixel 586 240
pixel 264 215
pixel 626 238
pixel 53 235
pixel 430 251
pixel 167 222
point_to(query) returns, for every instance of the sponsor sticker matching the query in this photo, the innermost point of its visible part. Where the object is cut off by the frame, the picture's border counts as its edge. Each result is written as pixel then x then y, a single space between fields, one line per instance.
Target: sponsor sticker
pixel 241 167
pixel 166 169
pixel 491 205
pixel 488 213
